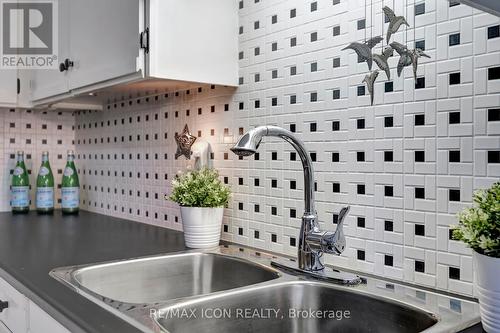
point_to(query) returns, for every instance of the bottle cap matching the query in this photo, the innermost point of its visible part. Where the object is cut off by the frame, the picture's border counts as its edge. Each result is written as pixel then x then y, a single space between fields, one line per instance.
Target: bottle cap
pixel 71 152
pixel 20 152
pixel 45 153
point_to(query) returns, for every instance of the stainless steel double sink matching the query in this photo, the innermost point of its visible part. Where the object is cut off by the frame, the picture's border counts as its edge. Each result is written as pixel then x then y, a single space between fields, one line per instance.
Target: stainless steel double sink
pixel 235 289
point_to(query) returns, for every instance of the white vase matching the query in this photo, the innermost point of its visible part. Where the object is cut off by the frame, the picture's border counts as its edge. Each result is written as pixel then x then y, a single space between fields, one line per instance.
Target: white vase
pixel 202 226
pixel 488 287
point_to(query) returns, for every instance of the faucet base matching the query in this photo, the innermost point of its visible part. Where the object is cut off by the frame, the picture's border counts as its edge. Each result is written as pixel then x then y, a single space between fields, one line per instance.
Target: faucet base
pixel 326 274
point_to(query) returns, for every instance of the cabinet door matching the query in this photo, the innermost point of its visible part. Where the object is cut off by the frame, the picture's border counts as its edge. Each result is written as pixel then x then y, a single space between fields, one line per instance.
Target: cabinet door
pixel 51 82
pixel 8 87
pixel 104 40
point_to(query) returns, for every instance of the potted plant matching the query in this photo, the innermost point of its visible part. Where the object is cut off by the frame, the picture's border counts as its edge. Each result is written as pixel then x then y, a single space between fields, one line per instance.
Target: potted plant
pixel 479 228
pixel 202 198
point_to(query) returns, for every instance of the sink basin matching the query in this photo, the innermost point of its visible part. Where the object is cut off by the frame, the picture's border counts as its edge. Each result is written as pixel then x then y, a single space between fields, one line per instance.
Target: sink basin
pixel 157 279
pixel 267 309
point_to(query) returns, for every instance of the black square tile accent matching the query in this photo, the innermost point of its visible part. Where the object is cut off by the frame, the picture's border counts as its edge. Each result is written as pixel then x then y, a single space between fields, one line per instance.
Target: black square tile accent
pixel 494 73
pixel 274 101
pixel 361 24
pixel 389 86
pixel 494 115
pixel 274 211
pixel 274 155
pixel 494 31
pixel 335 218
pixel 454 273
pixel 419 266
pixel 388 260
pixel 454 156
pixel 335 157
pixel 360 123
pixel 256 182
pixel 388 121
pixel 419 156
pixel 420 83
pixel 293 213
pixel 360 156
pixel 240 231
pixel 240 205
pixel 274 183
pixel 450 233
pixel 420 9
pixel 336 62
pixel 335 125
pixel 388 226
pixel 226 227
pixel 454 3
pixel 314 36
pixel 361 254
pixel 361 188
pixel 274 19
pixel 256 234
pixel 419 193
pixel 293 185
pixel 454 117
pixel 361 90
pixel 388 156
pixel 256 208
pixel 293 156
pixel 314 6
pixel 226 180
pixel 361 222
pixel 293 13
pixel 388 191
pixel 336 30
pixel 293 241
pixel 454 39
pixel 454 78
pixel 293 43
pixel 314 66
pixel 273 238
pixel 292 128
pixel 312 127
pixel 336 94
pixel 313 156
pixel 419 119
pixel 335 2
pixel 293 99
pixel 420 44
pixel 336 187
pixel 494 156
pixel 419 230
pixel 454 195
pixel 240 181
pixel 256 25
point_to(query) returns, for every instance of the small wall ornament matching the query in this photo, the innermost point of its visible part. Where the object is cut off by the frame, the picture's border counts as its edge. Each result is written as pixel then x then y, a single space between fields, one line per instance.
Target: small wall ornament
pixel 364 50
pixel 370 83
pixel 184 142
pixel 394 22
pixel 382 60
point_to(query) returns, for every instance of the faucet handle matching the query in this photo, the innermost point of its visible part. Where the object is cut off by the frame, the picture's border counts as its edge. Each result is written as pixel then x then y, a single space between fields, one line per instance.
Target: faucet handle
pixel 339 241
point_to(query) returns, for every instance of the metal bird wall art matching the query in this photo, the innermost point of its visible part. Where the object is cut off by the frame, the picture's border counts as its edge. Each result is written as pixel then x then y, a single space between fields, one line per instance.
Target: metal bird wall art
pixel 370 83
pixel 381 60
pixel 364 50
pixel 408 57
pixel 395 22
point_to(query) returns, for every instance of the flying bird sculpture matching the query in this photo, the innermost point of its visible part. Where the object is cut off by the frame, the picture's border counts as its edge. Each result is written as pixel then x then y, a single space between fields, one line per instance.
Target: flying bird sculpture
pixel 370 83
pixel 408 57
pixel 381 60
pixel 364 50
pixel 394 22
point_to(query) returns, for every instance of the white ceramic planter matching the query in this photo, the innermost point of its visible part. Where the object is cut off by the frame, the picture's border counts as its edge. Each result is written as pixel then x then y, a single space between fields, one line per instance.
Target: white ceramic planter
pixel 488 287
pixel 202 226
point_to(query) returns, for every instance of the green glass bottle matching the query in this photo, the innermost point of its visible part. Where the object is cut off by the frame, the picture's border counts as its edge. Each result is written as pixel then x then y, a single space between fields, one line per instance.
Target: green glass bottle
pixel 45 187
pixel 70 188
pixel 20 187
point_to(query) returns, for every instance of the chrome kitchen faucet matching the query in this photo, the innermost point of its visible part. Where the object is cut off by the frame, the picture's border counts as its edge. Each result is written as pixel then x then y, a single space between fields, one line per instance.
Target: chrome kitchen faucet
pixel 312 241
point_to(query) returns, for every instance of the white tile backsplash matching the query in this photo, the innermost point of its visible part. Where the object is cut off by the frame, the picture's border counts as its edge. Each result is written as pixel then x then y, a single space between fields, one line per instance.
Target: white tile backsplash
pixel 125 153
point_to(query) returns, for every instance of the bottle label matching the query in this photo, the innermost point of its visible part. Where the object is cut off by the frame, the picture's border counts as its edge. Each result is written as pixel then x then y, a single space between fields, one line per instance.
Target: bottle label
pixel 44 171
pixel 68 172
pixel 70 197
pixel 20 196
pixel 18 171
pixel 45 197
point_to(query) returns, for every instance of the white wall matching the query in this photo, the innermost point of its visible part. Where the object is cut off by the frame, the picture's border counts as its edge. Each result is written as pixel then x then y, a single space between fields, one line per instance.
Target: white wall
pixel 145 157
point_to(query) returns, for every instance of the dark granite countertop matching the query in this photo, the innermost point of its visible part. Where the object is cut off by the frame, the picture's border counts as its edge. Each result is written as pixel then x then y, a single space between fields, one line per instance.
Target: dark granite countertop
pixel 31 245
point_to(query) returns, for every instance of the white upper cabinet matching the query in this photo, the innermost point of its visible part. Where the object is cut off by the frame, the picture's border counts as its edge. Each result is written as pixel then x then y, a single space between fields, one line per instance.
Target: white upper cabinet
pixel 8 87
pixel 104 40
pixel 111 43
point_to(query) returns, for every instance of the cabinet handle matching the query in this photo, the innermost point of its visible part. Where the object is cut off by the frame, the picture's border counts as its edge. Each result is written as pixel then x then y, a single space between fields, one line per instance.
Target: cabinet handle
pixel 64 66
pixel 3 305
